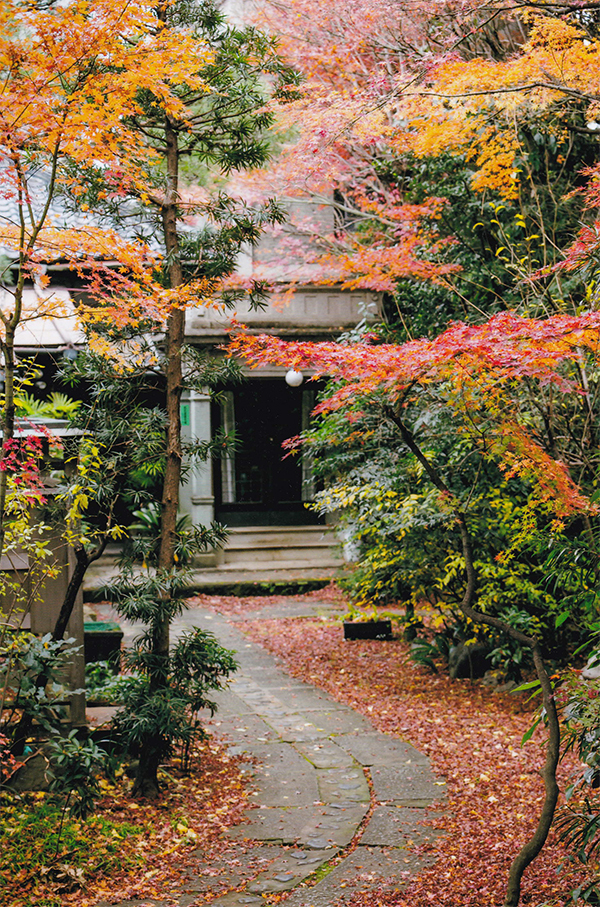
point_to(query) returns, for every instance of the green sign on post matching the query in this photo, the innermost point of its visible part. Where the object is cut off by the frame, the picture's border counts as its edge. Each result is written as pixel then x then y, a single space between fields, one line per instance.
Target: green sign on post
pixel 185 413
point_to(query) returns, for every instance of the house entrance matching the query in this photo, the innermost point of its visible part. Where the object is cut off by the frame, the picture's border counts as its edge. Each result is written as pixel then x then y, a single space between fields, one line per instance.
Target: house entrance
pixel 257 484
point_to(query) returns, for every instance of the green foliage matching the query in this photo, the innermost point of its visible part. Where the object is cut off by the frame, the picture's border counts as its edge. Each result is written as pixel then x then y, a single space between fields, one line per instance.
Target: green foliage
pixel 32 675
pixel 145 536
pixel 32 841
pixel 167 713
pixel 161 699
pixel 199 665
pixel 399 532
pixel 428 651
pixel 101 682
pixel 571 566
pixel 509 655
pixel 581 705
pixel 578 822
pixel 121 453
pixel 116 467
pixel 75 765
pixel 57 406
pixel 24 537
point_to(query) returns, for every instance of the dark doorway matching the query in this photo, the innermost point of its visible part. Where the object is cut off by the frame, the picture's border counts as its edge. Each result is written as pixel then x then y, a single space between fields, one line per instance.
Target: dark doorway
pixel 258 485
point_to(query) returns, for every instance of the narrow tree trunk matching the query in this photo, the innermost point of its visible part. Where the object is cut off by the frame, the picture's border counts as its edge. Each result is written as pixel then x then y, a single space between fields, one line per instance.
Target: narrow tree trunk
pixel 146 782
pixel 82 562
pixel 175 336
pixel 146 779
pixel 533 846
pixel 8 418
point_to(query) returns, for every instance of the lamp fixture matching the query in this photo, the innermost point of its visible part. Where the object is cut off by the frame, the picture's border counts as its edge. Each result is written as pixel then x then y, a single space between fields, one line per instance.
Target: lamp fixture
pixel 294 378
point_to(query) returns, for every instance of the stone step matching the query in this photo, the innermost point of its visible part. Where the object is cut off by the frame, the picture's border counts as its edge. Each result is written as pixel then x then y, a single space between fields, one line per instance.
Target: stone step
pixel 226 576
pixel 288 563
pixel 308 555
pixel 285 535
pixel 230 575
pixel 308 546
pixel 252 554
pixel 275 540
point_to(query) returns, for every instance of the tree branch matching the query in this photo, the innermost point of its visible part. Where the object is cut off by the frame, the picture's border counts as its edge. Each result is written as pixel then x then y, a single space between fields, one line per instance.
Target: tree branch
pixel 533 846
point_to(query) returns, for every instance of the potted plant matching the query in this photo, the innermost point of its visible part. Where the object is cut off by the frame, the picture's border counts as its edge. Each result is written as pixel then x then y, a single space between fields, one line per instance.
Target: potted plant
pixel 362 625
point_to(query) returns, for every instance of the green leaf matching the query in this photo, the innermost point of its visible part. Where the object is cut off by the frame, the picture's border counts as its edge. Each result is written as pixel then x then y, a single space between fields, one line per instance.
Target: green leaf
pixel 529 734
pixel 526 686
pixel 561 619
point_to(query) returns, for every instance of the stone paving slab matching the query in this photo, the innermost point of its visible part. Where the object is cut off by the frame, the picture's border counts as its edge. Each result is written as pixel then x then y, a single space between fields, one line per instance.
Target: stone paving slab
pixel 409 783
pixel 337 784
pixel 224 872
pixel 317 827
pixel 301 699
pixel 325 754
pixel 229 703
pixel 365 869
pixel 235 899
pixel 282 776
pixel 336 825
pixel 369 749
pixel 398 826
pixel 248 727
pixel 321 725
pixel 260 699
pixel 290 698
pixel 299 730
pixel 278 823
pixel 290 871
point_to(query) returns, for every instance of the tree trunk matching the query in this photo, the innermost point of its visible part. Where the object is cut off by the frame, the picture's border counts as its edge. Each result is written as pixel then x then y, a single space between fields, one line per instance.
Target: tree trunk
pixel 146 779
pixel 531 848
pixel 8 417
pixel 83 561
pixel 175 335
pixel 146 782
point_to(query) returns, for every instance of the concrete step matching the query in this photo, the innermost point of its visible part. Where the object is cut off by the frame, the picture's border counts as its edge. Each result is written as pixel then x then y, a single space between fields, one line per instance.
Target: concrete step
pixel 308 555
pixel 228 576
pixel 236 543
pixel 291 535
pixel 307 545
pixel 289 563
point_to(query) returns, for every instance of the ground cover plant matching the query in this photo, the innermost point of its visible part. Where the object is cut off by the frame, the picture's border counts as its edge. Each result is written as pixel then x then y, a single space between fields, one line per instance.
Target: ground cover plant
pixel 123 850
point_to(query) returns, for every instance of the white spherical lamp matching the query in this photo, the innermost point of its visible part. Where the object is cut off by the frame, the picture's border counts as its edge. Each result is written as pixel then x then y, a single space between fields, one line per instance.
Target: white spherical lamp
pixel 294 378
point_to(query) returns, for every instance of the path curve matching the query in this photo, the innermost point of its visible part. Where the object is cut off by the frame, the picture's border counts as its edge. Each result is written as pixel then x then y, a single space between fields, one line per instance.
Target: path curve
pixel 337 805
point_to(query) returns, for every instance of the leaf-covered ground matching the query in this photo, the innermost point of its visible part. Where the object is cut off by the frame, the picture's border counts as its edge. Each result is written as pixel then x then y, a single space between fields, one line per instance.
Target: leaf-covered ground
pixel 473 737
pixel 127 849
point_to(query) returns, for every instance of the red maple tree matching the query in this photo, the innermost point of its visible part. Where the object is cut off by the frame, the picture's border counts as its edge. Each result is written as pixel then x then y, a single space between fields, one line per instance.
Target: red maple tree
pixel 478 366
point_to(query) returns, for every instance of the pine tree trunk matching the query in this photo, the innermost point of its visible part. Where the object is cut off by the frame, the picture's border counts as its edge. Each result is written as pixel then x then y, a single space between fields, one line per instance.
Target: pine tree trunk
pixel 146 782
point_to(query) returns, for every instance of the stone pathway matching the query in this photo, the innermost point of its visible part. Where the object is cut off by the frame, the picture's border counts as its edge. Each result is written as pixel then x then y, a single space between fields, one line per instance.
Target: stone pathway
pixel 338 805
